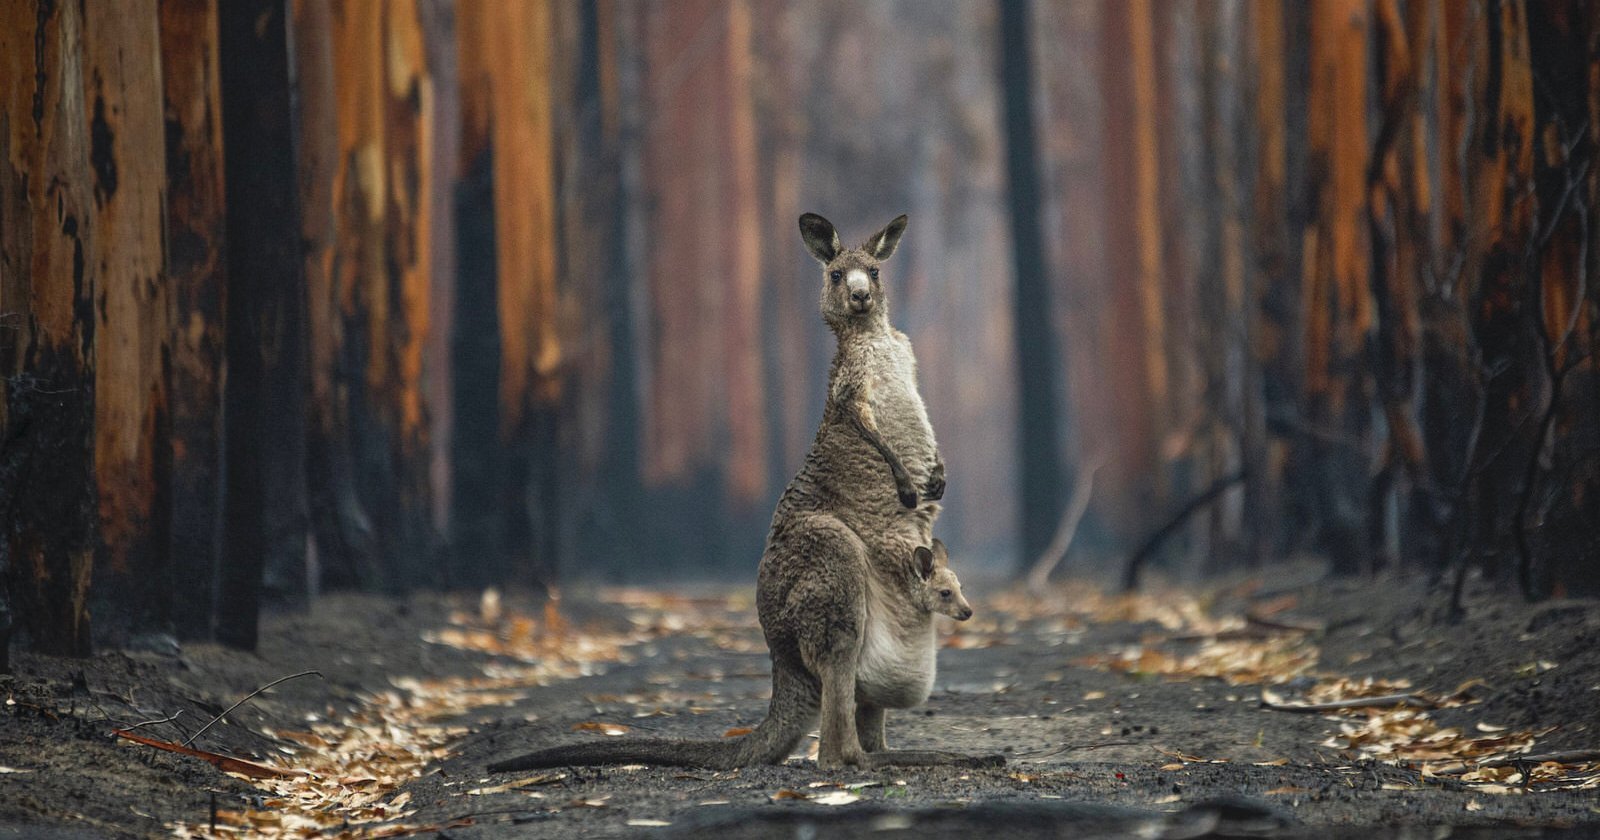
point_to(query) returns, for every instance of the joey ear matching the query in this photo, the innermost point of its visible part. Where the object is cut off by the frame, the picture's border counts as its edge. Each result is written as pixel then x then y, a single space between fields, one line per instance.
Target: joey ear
pixel 941 555
pixel 821 239
pixel 924 559
pixel 881 245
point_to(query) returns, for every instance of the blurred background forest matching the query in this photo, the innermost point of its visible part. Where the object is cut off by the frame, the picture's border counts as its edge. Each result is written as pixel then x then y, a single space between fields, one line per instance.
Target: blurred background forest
pixel 299 295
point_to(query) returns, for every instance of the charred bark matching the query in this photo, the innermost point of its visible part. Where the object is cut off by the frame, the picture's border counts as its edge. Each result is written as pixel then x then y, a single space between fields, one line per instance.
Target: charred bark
pixel 265 512
pixel 1039 368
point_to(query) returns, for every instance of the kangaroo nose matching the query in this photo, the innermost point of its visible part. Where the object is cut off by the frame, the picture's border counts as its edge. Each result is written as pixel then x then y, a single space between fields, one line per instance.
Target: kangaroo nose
pixel 860 296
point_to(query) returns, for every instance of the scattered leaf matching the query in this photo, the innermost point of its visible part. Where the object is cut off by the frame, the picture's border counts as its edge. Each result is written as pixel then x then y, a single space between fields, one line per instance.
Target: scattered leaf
pixel 653 823
pixel 786 793
pixel 836 797
pixel 601 727
pixel 737 731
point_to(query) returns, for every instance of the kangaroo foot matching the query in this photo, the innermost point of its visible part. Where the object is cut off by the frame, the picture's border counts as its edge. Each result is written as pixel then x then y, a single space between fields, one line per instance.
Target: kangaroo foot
pixel 932 758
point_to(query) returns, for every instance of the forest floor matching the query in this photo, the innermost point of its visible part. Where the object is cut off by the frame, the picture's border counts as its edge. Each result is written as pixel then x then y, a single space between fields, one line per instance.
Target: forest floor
pixel 1119 716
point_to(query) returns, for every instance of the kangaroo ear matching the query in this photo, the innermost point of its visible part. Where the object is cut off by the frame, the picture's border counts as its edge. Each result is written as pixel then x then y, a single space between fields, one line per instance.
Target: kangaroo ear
pixel 924 559
pixel 820 237
pixel 941 555
pixel 881 245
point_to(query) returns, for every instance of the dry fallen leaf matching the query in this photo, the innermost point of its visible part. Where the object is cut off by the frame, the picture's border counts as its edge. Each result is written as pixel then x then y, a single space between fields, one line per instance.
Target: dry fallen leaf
pixel 601 727
pixel 737 731
pixel 786 793
pixel 648 822
pixel 1474 805
pixel 836 797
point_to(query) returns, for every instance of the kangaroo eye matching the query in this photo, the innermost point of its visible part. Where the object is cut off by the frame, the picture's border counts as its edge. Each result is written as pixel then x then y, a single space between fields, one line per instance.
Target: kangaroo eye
pixel 874 274
pixel 944 593
pixel 836 275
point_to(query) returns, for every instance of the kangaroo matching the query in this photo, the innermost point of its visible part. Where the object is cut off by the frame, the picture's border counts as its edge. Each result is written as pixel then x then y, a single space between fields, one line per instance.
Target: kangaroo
pixel 843 612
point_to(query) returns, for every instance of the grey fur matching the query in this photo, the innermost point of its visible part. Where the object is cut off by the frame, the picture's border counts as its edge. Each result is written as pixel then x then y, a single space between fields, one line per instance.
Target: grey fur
pixel 844 608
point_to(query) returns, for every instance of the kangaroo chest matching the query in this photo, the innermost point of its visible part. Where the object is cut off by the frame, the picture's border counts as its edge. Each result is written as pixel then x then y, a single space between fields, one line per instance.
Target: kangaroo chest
pixel 897 406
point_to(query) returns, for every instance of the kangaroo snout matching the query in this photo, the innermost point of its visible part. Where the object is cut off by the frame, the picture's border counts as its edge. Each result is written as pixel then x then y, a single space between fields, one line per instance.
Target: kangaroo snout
pixel 963 614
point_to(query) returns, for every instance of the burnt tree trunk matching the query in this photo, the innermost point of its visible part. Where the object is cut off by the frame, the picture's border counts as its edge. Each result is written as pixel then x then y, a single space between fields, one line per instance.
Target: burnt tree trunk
pixel 1337 301
pixel 265 512
pixel 196 275
pixel 122 106
pixel 1503 297
pixel 1038 359
pixel 47 325
pixel 346 541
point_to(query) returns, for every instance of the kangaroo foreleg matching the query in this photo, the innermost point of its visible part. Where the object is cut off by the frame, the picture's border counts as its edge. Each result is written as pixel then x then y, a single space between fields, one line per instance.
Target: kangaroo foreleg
pixel 858 411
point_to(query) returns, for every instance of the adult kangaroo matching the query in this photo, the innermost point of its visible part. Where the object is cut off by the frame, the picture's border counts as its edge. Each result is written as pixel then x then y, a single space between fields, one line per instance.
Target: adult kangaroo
pixel 838 593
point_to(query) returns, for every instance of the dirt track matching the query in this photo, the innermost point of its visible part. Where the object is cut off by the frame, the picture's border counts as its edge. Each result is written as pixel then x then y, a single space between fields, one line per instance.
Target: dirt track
pixel 1101 706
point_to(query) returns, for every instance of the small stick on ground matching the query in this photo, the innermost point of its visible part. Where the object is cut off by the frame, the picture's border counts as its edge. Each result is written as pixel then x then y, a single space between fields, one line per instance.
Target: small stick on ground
pixel 168 719
pixel 1384 702
pixel 245 699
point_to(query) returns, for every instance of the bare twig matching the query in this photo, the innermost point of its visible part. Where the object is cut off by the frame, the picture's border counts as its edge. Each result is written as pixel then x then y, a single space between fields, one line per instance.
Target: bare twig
pixel 245 698
pixel 168 719
pixel 1053 554
pixel 1384 702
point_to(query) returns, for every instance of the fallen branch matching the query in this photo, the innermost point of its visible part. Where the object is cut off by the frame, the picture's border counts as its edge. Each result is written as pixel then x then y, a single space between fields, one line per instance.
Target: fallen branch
pixel 1563 757
pixel 1056 551
pixel 225 763
pixel 245 699
pixel 1130 576
pixel 1383 702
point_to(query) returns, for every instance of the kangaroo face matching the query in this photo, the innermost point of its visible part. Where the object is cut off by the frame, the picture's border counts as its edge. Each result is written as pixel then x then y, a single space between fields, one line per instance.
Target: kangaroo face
pixel 851 287
pixel 941 589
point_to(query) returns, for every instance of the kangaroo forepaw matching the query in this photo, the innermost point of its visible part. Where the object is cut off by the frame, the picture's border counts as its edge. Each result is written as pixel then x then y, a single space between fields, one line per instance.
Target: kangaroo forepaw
pixel 907 494
pixel 935 489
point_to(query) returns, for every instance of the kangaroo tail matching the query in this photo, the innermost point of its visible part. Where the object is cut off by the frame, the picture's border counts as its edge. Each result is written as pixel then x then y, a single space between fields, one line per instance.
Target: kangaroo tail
pixel 791 713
